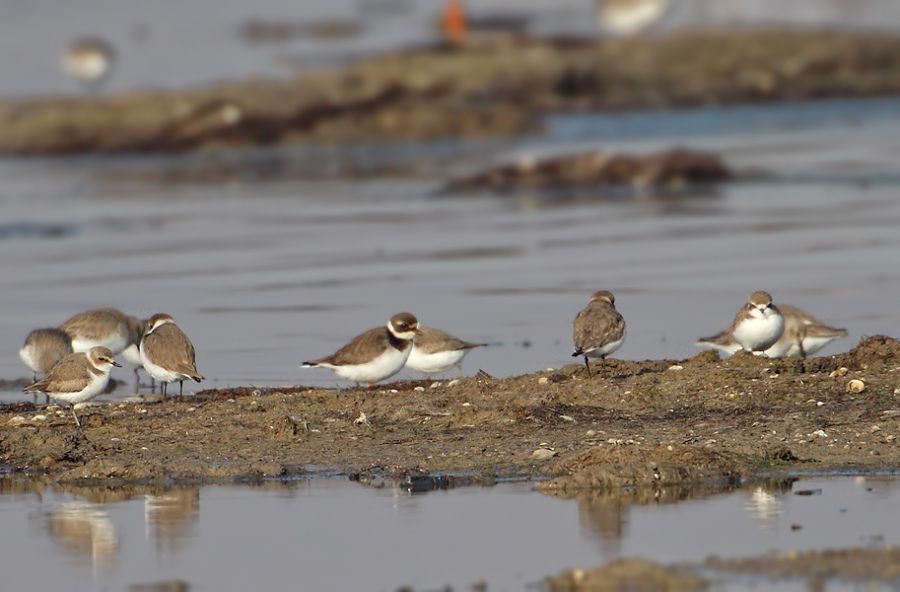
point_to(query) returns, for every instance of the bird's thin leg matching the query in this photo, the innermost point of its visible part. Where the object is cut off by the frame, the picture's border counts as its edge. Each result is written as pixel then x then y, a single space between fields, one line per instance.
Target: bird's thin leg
pixel 587 364
pixel 46 400
pixel 802 351
pixel 137 380
pixel 180 388
pixel 163 386
pixel 78 423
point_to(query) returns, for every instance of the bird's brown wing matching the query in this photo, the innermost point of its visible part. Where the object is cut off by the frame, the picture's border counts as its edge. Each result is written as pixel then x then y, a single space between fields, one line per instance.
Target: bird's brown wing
pixel 596 325
pixel 361 349
pixel 68 375
pixel 171 349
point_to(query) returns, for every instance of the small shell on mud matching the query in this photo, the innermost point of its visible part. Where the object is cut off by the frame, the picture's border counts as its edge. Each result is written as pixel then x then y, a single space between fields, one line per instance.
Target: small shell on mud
pixel 675 367
pixel 856 386
pixel 543 380
pixel 39 417
pixel 419 389
pixel 361 420
pixel 453 382
pixel 17 420
pixel 842 371
pixel 820 433
pixel 435 385
pixel 543 454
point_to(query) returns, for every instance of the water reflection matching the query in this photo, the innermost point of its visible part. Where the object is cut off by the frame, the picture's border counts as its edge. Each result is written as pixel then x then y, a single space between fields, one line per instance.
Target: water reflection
pixel 462 535
pixel 764 500
pixel 84 529
pixel 170 516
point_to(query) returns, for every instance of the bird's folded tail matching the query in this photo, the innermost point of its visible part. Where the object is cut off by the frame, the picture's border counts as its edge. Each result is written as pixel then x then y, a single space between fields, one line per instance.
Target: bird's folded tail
pixel 316 363
pixel 36 387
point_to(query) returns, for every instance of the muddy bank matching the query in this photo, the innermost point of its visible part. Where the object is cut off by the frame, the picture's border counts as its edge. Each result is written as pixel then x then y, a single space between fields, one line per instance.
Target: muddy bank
pixel 654 423
pixel 859 565
pixel 669 169
pixel 490 88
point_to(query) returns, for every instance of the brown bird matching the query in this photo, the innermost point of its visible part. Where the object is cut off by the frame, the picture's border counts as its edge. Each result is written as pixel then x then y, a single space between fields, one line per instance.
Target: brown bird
pixel 167 353
pixel 43 349
pixel 436 351
pixel 77 377
pixel 377 354
pixel 803 335
pixel 100 327
pixel 599 329
pixel 759 323
pixel 132 353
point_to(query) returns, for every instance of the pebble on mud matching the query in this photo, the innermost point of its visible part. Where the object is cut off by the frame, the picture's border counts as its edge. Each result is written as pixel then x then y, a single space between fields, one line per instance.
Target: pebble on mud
pixel 842 371
pixel 362 419
pixel 543 380
pixel 543 454
pixel 17 420
pixel 856 386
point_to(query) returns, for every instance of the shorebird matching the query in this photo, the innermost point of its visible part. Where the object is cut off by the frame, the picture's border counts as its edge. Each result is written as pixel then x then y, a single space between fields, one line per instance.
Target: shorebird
pixel 599 329
pixel 78 377
pixel 103 327
pixel 626 17
pixel 756 327
pixel 377 354
pixel 436 351
pixel 803 336
pixel 43 349
pixel 132 353
pixel 89 62
pixel 167 354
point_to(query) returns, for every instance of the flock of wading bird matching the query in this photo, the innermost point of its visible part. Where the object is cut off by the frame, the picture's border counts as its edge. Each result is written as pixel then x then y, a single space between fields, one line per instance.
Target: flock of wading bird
pixel 76 358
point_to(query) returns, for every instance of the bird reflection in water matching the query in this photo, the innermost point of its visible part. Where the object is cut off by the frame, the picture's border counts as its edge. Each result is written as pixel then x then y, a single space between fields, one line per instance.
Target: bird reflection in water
pixel 169 516
pixel 84 529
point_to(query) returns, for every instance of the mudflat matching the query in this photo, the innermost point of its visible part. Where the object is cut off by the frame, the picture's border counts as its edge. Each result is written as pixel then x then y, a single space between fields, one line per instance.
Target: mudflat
pixel 659 423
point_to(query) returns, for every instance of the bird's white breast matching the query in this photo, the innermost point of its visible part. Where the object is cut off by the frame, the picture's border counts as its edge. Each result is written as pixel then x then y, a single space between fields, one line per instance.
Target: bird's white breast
pixel 435 362
pixel 384 366
pixel 95 386
pixel 759 332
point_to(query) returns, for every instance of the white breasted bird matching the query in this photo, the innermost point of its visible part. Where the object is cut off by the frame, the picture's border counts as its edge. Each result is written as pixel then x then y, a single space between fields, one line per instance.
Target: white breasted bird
pixel 77 378
pixel 377 354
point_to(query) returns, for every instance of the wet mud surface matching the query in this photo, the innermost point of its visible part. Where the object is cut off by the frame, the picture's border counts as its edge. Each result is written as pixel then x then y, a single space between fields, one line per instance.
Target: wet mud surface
pixel 660 424
pixel 480 90
pixel 813 568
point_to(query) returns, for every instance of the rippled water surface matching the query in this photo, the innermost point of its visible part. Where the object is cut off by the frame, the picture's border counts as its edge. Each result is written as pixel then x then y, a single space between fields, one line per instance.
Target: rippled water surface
pixel 332 534
pixel 265 271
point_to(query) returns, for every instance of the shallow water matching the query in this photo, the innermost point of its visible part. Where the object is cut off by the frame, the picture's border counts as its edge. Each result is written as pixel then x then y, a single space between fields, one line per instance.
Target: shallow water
pixel 264 272
pixel 331 534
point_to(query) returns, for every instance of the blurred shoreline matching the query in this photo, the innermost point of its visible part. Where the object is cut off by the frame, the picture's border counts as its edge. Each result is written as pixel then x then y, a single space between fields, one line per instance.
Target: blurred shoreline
pixel 499 86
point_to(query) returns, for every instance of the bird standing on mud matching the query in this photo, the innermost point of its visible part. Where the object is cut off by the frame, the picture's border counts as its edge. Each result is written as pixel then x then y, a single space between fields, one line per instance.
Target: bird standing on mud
pixel 803 336
pixel 167 353
pixel 377 354
pixel 77 378
pixel 599 329
pixel 758 325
